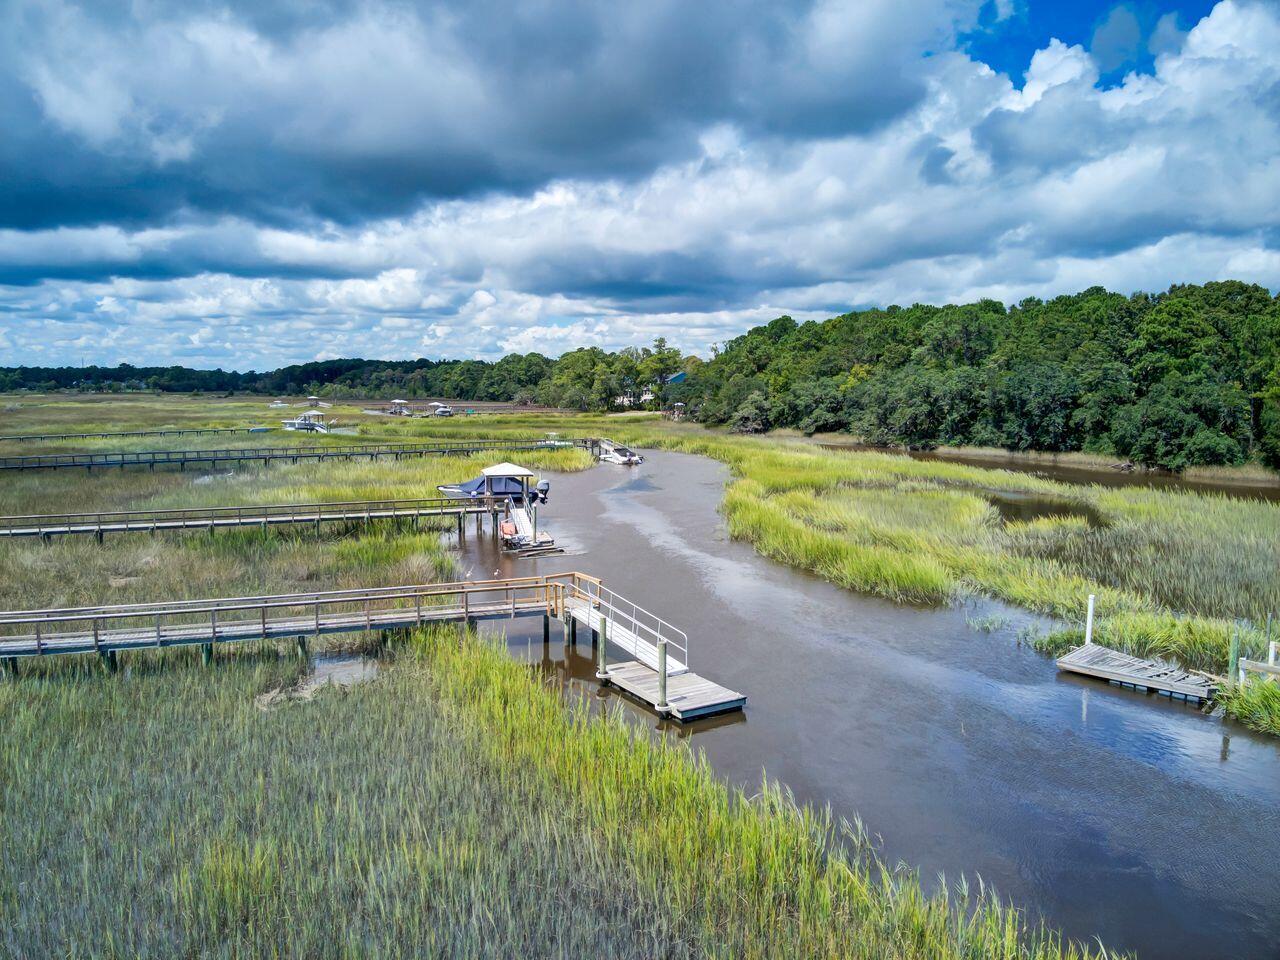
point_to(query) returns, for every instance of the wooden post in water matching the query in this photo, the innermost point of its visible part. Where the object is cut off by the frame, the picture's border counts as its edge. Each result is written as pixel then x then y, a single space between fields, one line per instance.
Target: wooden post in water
pixel 546 628
pixel 302 647
pixel 1088 623
pixel 1233 659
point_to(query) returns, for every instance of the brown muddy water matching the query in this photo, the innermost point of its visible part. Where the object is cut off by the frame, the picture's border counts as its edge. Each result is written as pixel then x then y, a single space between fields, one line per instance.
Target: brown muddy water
pixel 1108 813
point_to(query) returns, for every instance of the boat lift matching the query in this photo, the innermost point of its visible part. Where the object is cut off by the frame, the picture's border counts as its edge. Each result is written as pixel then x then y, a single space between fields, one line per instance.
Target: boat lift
pixel 510 484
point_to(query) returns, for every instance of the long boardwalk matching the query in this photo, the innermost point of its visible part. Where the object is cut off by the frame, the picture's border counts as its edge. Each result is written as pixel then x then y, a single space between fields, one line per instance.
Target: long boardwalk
pixel 177 432
pixel 264 516
pixel 267 455
pixel 576 598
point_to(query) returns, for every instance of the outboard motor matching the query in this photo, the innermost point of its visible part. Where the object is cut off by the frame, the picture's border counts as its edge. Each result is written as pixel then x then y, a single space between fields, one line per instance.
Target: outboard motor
pixel 543 489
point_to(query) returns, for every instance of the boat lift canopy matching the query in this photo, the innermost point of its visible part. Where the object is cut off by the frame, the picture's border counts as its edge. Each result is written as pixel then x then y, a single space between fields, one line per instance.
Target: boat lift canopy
pixel 508 480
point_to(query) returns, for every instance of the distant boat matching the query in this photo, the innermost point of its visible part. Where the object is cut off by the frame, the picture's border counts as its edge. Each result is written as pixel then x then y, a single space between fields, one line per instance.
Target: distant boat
pixel 611 452
pixel 313 421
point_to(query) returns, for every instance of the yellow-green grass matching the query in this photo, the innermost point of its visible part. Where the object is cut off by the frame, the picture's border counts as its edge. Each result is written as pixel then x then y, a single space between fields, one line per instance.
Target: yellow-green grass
pixel 454 806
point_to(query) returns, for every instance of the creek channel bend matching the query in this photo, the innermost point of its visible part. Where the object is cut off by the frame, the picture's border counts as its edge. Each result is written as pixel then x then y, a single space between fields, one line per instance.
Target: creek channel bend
pixel 1107 813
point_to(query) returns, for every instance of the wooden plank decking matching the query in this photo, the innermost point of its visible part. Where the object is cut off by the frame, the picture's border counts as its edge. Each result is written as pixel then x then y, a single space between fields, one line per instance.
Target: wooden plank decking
pixel 1094 660
pixel 689 696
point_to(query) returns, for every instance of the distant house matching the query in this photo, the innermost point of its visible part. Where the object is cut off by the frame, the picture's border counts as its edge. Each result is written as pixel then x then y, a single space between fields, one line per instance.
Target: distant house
pixel 647 394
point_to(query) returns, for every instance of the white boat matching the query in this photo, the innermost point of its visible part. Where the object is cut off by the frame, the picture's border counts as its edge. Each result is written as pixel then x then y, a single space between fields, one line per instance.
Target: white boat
pixel 443 410
pixel 313 421
pixel 510 484
pixel 611 452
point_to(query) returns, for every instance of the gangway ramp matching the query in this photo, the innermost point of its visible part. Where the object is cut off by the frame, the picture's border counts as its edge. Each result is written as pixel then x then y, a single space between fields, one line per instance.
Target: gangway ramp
pixel 658 672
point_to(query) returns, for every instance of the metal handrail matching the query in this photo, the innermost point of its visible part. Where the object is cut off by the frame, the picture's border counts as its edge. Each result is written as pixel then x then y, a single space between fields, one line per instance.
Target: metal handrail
pixel 628 615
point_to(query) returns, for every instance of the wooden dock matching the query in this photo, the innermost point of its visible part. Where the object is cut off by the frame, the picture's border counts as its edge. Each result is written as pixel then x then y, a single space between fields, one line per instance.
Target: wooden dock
pixel 574 598
pixel 263 516
pixel 268 455
pixel 1094 660
pixel 654 675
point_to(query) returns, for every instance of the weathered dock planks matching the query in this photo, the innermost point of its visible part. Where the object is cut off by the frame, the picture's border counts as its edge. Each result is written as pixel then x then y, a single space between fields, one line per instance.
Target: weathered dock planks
pixel 1094 660
pixel 689 696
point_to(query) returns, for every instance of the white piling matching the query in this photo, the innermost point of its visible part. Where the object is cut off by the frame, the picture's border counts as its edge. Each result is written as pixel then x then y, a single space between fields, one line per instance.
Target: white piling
pixel 1088 623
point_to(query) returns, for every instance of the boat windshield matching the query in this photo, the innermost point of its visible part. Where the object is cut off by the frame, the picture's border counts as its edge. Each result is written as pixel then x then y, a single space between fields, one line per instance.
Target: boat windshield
pixel 622 451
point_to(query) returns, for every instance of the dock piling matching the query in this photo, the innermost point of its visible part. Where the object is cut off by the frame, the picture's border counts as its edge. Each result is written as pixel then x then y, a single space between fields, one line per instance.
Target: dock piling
pixel 1088 623
pixel 602 659
pixel 662 706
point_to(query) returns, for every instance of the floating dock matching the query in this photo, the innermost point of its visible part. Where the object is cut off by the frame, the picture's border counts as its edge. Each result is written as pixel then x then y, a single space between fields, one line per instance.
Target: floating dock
pixel 651 674
pixel 1094 660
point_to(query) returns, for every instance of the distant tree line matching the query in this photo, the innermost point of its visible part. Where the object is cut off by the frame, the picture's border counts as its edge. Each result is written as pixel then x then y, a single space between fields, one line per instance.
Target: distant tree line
pixel 1186 377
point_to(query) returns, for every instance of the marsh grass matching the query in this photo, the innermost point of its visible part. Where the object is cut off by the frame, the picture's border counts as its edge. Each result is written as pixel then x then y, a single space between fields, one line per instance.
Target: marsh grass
pixel 454 806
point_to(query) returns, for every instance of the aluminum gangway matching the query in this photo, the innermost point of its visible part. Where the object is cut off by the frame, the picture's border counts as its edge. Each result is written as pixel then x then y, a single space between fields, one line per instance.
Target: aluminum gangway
pixel 652 674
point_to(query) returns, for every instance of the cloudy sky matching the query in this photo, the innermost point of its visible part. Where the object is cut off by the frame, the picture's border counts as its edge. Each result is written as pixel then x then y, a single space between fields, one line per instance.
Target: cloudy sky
pixel 247 183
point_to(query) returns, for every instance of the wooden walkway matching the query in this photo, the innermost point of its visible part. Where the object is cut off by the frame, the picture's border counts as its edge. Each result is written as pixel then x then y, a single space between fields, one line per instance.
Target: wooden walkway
pixel 575 598
pixel 177 432
pixel 1093 660
pixel 264 516
pixel 267 455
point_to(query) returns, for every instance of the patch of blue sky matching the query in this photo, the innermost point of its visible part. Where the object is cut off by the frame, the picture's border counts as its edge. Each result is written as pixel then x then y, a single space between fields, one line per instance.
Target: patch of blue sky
pixel 1122 37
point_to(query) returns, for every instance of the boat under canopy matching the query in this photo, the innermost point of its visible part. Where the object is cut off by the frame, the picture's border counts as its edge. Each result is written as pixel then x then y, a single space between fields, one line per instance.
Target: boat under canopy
pixel 506 481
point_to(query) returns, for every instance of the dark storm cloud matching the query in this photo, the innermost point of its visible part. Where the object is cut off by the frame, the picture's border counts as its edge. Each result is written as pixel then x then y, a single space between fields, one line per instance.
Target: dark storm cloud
pixel 280 112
